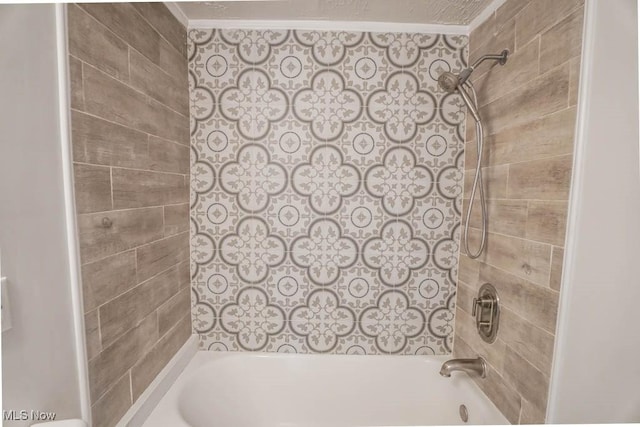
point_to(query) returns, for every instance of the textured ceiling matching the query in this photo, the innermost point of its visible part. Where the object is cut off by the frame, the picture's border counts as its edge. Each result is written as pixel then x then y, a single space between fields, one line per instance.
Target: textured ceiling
pixel 452 12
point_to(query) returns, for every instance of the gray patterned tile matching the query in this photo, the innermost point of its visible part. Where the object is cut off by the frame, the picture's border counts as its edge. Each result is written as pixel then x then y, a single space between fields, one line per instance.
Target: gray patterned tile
pixel 363 144
pixel 357 343
pixel 396 253
pixel 403 49
pixel 253 46
pixel 287 342
pixel 287 286
pixel 324 252
pixel 434 217
pixel 216 213
pixel 253 178
pixel 440 323
pixel 290 142
pixel 361 216
pixel 252 319
pixel 326 179
pixel 216 141
pixel 322 320
pixel 392 322
pixel 327 105
pixel 424 345
pixel 252 249
pixel 428 287
pixel 402 107
pixel 399 181
pixel 289 214
pixel 326 176
pixel 328 47
pixel 291 66
pixel 217 283
pixel 359 288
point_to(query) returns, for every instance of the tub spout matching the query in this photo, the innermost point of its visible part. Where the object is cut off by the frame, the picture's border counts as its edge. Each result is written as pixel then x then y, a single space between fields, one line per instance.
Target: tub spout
pixel 470 366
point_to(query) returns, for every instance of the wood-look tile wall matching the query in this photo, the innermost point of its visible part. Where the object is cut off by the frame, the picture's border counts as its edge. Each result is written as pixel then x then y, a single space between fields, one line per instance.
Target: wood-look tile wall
pixel 130 132
pixel 529 110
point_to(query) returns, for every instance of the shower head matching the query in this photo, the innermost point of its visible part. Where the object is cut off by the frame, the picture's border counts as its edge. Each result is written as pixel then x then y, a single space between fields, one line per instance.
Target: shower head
pixel 450 81
pixel 453 82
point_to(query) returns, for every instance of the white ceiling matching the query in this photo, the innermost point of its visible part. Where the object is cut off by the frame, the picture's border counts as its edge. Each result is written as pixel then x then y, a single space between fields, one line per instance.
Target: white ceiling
pixel 443 12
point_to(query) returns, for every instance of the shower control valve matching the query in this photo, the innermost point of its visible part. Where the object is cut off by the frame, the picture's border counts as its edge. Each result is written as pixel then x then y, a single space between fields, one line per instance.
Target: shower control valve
pixel 478 305
pixel 486 311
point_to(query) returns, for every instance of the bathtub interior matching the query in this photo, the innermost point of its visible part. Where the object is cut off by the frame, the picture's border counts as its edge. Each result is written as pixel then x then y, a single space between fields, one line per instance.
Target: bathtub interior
pixel 286 390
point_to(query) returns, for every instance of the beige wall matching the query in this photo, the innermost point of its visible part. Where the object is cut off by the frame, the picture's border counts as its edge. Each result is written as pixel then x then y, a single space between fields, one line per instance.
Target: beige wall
pixel 130 132
pixel 529 109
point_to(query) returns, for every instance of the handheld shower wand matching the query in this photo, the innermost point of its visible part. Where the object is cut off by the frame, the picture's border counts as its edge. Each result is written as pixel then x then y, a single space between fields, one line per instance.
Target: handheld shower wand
pixel 451 82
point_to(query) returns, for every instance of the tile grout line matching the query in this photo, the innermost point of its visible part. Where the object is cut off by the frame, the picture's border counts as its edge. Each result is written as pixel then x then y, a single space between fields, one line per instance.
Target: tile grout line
pixel 129 128
pixel 536 285
pixel 539 77
pixel 125 41
pixel 130 371
pixel 116 339
pixel 111 187
pixel 539 62
pixel 530 122
pixel 501 165
pixel 137 90
pixel 506 184
pixel 160 33
pixel 136 208
pixel 134 248
pixel 516 46
pixel 84 101
pixel 111 386
pixel 132 169
pixel 99 330
pixel 516 237
pixel 545 375
pixel 499 199
pixel 570 12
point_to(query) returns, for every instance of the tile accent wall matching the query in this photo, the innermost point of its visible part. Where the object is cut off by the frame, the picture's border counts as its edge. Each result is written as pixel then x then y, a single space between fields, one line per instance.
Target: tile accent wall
pixel 327 173
pixel 529 106
pixel 130 134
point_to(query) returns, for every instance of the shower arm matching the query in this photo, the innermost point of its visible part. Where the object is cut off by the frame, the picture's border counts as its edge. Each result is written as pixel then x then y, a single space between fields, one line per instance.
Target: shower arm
pixel 501 58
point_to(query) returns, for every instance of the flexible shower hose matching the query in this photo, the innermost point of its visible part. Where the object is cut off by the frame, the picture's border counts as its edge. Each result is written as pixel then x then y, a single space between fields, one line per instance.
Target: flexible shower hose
pixel 477 181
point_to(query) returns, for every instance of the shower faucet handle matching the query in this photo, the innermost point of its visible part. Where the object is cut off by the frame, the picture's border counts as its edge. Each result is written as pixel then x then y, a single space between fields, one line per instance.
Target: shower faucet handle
pixel 482 302
pixel 486 311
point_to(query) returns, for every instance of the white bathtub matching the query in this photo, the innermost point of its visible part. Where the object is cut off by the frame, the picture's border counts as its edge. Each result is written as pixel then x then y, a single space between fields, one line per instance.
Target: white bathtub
pixel 287 390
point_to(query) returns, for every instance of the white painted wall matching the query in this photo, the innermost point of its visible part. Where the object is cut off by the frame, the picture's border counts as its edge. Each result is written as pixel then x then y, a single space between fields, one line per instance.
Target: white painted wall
pixel 596 375
pixel 39 354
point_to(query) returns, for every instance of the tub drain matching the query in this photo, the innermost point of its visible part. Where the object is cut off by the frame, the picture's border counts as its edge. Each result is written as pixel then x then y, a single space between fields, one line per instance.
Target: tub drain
pixel 464 414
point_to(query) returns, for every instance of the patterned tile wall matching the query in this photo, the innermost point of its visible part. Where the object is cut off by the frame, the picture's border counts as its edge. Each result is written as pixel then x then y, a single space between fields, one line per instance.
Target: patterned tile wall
pixel 326 186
